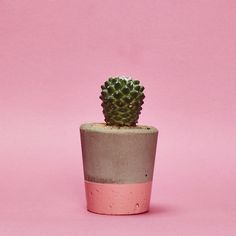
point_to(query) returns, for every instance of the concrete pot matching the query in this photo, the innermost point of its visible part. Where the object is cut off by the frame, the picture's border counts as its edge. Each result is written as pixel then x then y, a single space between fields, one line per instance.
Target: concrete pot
pixel 118 167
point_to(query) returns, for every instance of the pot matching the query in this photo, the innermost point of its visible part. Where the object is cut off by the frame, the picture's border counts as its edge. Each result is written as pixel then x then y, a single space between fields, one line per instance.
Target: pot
pixel 118 164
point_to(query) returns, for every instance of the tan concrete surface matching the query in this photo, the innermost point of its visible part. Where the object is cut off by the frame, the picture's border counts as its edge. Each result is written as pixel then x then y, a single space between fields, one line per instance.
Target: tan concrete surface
pixel 118 154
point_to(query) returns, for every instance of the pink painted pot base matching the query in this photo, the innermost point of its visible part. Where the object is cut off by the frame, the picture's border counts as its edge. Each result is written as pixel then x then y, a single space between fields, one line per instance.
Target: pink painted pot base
pixel 118 199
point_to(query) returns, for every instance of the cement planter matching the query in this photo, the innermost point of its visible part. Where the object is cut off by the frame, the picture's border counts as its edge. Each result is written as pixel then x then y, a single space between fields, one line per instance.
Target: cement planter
pixel 118 167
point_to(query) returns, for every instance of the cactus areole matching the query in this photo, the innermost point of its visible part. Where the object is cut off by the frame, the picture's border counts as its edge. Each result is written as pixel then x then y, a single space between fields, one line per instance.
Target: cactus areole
pixel 122 100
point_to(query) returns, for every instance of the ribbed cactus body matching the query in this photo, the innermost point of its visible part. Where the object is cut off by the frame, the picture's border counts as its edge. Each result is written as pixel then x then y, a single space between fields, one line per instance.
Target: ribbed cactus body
pixel 122 100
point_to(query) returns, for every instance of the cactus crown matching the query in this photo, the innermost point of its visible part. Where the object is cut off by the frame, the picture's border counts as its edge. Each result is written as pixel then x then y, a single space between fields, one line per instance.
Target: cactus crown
pixel 122 100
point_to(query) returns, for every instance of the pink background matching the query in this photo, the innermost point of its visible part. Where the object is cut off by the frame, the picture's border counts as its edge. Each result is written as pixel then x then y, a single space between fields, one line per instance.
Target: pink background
pixel 54 55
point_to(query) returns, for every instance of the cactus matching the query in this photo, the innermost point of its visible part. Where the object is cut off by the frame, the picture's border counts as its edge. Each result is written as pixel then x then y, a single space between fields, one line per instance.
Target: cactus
pixel 122 100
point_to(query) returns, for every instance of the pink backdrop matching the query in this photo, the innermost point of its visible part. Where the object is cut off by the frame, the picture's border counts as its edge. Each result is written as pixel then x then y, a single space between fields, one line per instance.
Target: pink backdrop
pixel 54 55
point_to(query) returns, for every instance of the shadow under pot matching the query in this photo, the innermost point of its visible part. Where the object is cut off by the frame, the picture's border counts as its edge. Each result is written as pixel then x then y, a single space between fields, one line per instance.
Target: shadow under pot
pixel 118 165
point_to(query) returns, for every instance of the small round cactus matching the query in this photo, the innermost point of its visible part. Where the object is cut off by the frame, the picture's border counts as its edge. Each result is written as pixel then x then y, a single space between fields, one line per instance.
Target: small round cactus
pixel 122 100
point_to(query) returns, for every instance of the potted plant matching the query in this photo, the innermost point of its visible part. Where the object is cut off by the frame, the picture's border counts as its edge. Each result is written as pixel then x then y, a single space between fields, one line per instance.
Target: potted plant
pixel 118 156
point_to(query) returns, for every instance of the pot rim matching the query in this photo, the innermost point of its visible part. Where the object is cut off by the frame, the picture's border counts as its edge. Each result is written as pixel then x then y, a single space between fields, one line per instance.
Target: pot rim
pixel 102 127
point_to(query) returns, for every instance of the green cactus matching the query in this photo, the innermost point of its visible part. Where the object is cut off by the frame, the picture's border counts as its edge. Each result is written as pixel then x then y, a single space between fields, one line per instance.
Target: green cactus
pixel 122 100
